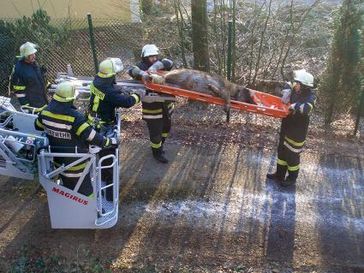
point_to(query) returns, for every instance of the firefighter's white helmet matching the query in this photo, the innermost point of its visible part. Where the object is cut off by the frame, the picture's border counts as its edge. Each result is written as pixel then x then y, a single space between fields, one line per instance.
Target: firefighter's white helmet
pixel 27 49
pixel 303 77
pixel 65 92
pixel 150 50
pixel 110 67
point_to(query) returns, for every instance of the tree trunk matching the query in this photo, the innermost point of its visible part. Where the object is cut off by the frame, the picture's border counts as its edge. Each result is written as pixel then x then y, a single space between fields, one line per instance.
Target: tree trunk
pixel 199 35
pixel 146 6
pixel 180 23
pixel 233 64
pixel 262 38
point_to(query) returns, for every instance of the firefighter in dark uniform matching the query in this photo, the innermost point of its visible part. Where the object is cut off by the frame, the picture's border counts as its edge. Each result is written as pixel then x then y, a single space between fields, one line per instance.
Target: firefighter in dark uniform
pixel 156 114
pixel 67 129
pixel 106 97
pixel 294 127
pixel 28 79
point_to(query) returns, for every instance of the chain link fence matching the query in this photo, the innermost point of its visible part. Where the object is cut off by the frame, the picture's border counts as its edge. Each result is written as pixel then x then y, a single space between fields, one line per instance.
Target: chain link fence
pixel 67 41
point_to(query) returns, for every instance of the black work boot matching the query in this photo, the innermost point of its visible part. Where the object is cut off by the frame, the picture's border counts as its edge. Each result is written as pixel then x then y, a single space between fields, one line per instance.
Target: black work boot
pixel 290 180
pixel 157 154
pixel 279 175
pixel 163 140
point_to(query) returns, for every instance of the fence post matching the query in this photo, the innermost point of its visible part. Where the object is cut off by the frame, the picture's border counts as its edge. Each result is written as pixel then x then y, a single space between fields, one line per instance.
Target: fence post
pixel 229 60
pixel 361 106
pixel 92 41
pixel 229 52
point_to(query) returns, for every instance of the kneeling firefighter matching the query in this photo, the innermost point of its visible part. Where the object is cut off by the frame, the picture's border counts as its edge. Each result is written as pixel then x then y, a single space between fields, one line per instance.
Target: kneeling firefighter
pixel 67 129
pixel 106 97
pixel 294 127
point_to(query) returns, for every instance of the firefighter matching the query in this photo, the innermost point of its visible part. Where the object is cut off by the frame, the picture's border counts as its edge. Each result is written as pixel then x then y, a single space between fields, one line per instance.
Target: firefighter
pixel 67 129
pixel 106 97
pixel 294 127
pixel 28 79
pixel 156 114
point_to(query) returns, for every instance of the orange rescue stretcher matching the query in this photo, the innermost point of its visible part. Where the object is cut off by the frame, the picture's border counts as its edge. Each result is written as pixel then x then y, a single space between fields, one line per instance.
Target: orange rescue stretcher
pixel 266 104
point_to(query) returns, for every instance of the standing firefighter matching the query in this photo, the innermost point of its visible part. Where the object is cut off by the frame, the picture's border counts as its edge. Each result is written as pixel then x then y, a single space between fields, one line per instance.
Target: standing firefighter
pixel 67 129
pixel 294 127
pixel 28 79
pixel 106 96
pixel 156 114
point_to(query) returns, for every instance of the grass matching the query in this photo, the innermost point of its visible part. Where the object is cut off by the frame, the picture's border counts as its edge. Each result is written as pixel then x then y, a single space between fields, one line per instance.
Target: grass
pixel 29 262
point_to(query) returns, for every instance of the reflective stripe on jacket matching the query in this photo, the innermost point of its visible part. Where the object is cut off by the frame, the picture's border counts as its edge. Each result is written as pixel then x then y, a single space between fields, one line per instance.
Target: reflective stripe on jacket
pixel 106 97
pixel 66 127
pixel 295 126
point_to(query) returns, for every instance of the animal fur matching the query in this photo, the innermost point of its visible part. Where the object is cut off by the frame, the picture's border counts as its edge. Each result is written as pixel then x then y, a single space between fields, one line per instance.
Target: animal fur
pixel 203 82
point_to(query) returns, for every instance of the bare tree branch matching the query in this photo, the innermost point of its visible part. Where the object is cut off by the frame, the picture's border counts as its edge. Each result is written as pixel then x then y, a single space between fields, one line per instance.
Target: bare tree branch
pixel 294 33
pixel 261 42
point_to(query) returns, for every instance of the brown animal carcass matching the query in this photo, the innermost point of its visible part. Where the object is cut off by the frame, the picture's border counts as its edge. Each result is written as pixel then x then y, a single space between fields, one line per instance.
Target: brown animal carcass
pixel 203 82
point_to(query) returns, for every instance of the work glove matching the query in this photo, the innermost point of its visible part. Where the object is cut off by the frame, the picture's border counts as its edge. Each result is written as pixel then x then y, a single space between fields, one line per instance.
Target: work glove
pixel 157 79
pixel 297 107
pixel 293 107
pixel 286 95
pixel 137 72
pixel 112 142
pixel 158 65
pixel 145 76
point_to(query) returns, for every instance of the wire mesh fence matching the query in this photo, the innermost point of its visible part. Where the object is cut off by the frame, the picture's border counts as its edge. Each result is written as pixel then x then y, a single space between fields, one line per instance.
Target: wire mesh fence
pixel 67 41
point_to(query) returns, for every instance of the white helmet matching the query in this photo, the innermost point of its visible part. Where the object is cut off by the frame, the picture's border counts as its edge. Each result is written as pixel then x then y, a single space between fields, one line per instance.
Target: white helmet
pixel 303 77
pixel 27 49
pixel 110 67
pixel 149 50
pixel 65 92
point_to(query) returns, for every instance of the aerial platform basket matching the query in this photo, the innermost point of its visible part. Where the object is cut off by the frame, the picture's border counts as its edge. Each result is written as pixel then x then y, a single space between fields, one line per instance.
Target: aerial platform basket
pixel 25 152
pixel 265 104
pixel 70 209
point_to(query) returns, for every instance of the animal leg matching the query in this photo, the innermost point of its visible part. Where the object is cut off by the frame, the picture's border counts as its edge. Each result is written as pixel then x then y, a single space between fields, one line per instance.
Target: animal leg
pixel 227 105
pixel 215 90
pixel 220 93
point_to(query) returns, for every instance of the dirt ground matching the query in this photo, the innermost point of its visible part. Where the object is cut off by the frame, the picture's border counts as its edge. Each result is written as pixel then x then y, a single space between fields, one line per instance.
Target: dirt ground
pixel 210 209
